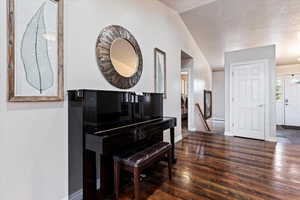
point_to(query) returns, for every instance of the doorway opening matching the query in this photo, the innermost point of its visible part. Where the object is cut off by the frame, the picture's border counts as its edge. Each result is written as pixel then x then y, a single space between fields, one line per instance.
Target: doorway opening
pixel 185 82
pixel 288 106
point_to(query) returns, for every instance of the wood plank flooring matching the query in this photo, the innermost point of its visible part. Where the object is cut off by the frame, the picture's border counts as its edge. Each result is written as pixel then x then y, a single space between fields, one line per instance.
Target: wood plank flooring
pixel 218 168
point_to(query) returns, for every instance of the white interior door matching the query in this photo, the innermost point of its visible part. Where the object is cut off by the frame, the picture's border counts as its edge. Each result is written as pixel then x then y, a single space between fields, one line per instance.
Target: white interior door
pixel 248 100
pixel 292 101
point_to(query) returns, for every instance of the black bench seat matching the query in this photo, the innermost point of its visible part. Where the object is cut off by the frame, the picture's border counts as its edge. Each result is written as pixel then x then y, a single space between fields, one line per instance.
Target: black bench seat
pixel 139 161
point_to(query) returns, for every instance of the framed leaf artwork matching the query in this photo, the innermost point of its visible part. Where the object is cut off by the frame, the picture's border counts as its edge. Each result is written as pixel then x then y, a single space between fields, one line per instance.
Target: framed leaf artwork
pixel 160 62
pixel 35 50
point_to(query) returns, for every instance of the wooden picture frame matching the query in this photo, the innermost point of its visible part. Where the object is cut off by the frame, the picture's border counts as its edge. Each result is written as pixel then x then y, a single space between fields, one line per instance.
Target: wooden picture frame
pixel 57 73
pixel 160 72
pixel 207 104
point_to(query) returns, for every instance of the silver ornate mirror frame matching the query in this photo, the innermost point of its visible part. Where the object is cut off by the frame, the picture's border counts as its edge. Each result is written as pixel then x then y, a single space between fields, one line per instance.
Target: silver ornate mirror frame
pixel 103 47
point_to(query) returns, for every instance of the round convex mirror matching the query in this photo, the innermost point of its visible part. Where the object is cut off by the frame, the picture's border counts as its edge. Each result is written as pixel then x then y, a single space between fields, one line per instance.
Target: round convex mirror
pixel 119 57
pixel 123 57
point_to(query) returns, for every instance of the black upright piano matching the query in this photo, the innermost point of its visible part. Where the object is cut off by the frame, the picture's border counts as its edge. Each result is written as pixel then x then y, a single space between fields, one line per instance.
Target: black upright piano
pixel 103 123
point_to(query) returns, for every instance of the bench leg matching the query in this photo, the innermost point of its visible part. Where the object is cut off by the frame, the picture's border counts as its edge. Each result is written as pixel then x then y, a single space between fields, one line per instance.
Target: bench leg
pixel 116 179
pixel 170 161
pixel 136 183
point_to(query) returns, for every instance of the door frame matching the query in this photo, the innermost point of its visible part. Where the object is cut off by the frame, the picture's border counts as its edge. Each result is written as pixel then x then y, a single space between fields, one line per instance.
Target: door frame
pixel 190 90
pixel 187 71
pixel 267 99
pixel 282 77
pixel 286 78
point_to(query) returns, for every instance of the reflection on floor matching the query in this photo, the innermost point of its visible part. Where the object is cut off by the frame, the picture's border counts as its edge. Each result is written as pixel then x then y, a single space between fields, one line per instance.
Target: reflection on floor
pixel 290 136
pixel 217 167
pixel 184 124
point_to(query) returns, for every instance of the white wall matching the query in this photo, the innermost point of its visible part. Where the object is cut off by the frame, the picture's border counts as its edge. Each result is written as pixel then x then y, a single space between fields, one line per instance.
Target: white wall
pixel 33 136
pixel 218 95
pixel 248 55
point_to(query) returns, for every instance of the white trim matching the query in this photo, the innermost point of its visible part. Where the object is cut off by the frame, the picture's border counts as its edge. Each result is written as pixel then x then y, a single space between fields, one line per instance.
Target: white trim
pixel 281 78
pixel 79 194
pixel 76 195
pixel 193 129
pixel 178 138
pixel 228 133
pixel 271 139
pixel 189 68
pixel 217 120
pixel 191 100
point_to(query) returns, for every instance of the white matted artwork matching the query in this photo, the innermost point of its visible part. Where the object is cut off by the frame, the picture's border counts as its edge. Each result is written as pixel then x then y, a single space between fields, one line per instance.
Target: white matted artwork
pixel 35 50
pixel 160 71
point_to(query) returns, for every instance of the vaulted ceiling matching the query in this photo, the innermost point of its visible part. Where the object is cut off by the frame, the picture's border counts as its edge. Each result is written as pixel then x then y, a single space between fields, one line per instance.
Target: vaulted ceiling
pixel 185 5
pixel 219 26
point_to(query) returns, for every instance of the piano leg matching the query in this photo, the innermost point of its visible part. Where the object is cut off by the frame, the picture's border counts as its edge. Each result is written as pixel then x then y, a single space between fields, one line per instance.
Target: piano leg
pixel 89 176
pixel 172 134
pixel 90 191
pixel 106 176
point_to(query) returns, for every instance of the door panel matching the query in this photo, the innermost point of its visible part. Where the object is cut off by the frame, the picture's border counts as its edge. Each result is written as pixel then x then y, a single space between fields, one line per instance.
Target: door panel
pixel 248 101
pixel 292 101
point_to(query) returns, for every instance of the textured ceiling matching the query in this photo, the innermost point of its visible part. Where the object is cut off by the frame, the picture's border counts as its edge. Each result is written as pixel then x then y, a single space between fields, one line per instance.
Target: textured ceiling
pixel 228 25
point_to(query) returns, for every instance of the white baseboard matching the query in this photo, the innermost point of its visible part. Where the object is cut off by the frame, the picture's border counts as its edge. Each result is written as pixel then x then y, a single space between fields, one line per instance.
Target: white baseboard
pixel 228 133
pixel 271 139
pixel 76 195
pixel 192 129
pixel 178 138
pixel 79 194
pixel 218 120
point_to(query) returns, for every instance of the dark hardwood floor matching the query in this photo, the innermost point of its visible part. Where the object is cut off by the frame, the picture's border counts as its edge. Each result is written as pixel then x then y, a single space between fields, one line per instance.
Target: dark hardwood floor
pixel 184 126
pixel 218 168
pixel 291 136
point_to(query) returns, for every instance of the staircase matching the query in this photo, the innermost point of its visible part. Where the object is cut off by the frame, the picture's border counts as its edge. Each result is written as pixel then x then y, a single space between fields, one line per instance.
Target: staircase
pixel 203 119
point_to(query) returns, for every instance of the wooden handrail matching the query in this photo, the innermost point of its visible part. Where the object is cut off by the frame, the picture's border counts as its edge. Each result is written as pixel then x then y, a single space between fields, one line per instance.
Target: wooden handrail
pixel 202 117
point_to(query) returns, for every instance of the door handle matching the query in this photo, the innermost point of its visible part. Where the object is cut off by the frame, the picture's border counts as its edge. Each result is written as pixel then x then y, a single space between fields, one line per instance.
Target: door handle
pixel 261 105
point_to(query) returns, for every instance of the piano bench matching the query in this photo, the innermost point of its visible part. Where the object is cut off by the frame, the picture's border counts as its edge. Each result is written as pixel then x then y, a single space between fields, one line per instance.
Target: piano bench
pixel 139 161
